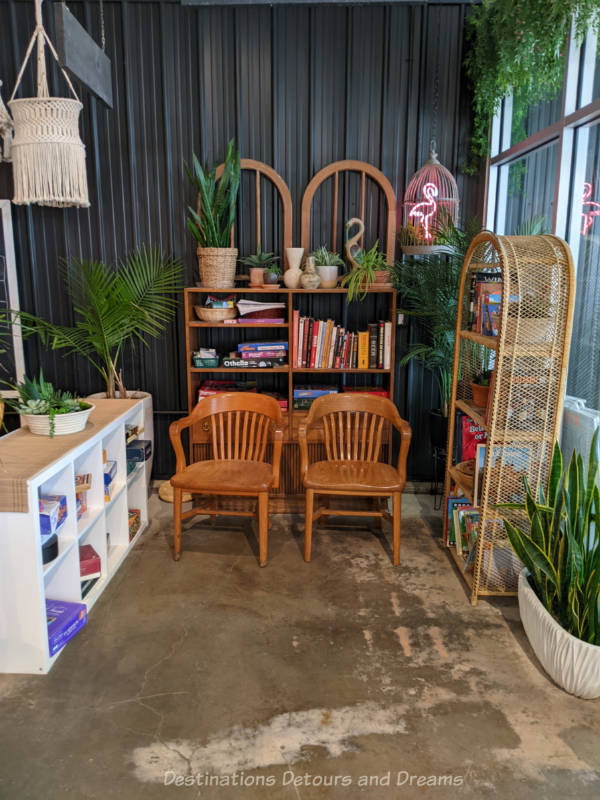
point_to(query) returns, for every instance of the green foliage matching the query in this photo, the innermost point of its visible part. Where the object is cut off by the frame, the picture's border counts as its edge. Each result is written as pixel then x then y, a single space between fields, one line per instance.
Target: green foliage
pixel 560 546
pixel 266 261
pixel 359 280
pixel 326 258
pixel 40 397
pixel 428 290
pixel 212 227
pixel 112 308
pixel 483 377
pixel 519 46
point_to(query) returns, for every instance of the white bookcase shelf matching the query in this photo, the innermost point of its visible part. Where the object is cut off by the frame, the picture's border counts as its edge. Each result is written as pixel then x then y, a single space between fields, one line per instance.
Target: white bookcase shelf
pixel 34 465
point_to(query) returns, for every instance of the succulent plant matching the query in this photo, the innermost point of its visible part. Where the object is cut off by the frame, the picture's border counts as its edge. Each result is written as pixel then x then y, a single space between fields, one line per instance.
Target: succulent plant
pixel 262 260
pixel 40 397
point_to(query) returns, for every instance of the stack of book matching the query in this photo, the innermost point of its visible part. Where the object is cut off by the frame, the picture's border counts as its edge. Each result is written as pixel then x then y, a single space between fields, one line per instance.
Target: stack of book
pixel 321 344
pixel 485 294
pixel 258 313
pixel 90 568
pixel 257 354
pixel 209 387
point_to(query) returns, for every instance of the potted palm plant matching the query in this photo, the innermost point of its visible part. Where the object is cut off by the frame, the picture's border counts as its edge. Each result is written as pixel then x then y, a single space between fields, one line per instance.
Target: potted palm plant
pixel 556 534
pixel 211 225
pixel 114 309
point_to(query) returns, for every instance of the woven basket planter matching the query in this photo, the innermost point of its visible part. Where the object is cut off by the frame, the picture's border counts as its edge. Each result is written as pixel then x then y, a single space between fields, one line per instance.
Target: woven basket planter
pixel 47 152
pixel 63 423
pixel 214 314
pixel 217 266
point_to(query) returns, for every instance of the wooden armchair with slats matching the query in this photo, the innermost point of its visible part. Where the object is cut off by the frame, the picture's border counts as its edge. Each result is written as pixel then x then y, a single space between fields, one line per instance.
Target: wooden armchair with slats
pixel 354 427
pixel 241 427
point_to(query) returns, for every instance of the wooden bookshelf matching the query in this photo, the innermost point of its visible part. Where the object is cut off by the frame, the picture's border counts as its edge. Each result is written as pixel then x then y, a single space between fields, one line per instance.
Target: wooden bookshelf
pixel 331 303
pixel 524 410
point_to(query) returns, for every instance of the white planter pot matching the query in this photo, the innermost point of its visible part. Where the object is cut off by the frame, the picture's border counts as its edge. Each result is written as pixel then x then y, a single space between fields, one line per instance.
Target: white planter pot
pixel 572 664
pixel 146 399
pixel 63 423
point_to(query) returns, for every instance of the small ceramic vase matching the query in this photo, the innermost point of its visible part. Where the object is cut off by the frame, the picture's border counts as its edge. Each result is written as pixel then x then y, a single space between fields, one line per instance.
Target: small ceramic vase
pixel 292 275
pixel 270 278
pixel 310 279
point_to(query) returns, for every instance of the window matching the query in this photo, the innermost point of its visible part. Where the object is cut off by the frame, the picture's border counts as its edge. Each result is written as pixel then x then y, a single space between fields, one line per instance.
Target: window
pixel 545 177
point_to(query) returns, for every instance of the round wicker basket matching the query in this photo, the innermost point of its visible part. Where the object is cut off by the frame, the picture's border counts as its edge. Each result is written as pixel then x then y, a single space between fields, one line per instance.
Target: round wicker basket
pixel 214 314
pixel 217 266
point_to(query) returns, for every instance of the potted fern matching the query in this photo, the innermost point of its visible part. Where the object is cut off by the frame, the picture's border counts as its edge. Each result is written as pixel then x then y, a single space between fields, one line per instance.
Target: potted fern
pixel 48 411
pixel 211 225
pixel 556 535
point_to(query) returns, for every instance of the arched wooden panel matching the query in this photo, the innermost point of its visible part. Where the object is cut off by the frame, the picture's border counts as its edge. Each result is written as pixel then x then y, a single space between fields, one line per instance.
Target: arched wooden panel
pixel 261 169
pixel 365 170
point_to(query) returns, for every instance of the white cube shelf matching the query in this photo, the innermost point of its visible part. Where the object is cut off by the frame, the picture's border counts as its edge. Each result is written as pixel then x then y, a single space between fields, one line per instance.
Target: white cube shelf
pixel 33 465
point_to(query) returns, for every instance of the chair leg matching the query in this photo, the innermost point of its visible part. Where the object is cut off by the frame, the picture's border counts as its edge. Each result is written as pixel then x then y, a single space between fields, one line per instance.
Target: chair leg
pixel 308 522
pixel 377 507
pixel 397 512
pixel 177 496
pixel 263 527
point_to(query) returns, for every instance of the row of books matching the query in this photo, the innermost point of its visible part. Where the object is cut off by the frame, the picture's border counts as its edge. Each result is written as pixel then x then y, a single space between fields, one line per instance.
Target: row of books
pixel 485 296
pixel 321 344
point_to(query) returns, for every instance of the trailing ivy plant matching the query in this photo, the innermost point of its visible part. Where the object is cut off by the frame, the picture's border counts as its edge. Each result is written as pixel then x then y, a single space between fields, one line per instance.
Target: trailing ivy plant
pixel 519 46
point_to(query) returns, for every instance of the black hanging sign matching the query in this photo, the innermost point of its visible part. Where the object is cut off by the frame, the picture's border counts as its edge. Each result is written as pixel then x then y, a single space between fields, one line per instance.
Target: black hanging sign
pixel 80 55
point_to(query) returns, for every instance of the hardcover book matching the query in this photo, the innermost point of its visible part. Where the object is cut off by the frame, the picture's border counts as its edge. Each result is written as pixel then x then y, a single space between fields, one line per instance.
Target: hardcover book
pixel 64 621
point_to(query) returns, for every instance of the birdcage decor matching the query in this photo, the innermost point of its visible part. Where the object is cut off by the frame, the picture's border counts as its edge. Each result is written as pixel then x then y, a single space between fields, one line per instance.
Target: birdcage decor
pixel 430 203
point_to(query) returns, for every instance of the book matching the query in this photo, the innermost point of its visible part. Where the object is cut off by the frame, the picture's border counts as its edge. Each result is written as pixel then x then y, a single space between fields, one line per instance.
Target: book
pixel 387 345
pixel 478 475
pixel 300 337
pixel 255 321
pixel 461 515
pixel 471 435
pixel 313 344
pixel 313 391
pixel 89 562
pixel 454 501
pixel 87 586
pixel 380 338
pixel 295 324
pixel 332 346
pixel 252 306
pixel 372 329
pixel 64 620
pixel 53 512
pixel 363 350
pixel 307 342
pixel 252 363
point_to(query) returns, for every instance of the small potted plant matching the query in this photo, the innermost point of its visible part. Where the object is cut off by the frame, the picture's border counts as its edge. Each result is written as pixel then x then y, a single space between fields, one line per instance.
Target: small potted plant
pixel 372 268
pixel 263 268
pixel 48 411
pixel 480 387
pixel 557 537
pixel 327 265
pixel 211 225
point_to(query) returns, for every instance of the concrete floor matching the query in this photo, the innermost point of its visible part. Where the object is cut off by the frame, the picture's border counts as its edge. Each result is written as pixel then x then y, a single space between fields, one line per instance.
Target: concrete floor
pixel 272 681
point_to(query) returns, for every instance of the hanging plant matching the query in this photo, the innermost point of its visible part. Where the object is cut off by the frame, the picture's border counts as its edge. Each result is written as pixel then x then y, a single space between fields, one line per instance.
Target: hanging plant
pixel 519 46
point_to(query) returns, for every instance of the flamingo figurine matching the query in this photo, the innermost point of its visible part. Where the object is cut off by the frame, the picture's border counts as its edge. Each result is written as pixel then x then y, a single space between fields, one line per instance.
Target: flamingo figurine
pixel 425 211
pixel 594 209
pixel 352 246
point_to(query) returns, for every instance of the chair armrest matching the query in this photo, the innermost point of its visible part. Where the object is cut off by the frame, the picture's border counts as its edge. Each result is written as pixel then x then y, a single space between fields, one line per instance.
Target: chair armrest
pixel 277 442
pixel 302 442
pixel 405 436
pixel 175 430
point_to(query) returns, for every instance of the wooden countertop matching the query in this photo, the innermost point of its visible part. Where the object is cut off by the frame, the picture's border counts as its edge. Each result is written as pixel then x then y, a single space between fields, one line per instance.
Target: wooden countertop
pixel 23 455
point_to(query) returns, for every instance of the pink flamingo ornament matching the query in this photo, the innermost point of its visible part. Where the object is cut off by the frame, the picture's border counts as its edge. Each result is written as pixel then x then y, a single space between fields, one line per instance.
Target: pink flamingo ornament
pixel 424 212
pixel 594 209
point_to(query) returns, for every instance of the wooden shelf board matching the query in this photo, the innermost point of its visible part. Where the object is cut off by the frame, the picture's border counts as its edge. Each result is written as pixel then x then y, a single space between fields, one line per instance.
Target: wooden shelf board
pixel 476 414
pixel 462 481
pixel 282 290
pixel 479 338
pixel 239 369
pixel 236 325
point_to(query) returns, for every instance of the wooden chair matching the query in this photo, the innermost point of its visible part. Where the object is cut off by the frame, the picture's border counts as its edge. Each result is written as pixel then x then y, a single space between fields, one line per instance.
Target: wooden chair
pixel 239 425
pixel 353 429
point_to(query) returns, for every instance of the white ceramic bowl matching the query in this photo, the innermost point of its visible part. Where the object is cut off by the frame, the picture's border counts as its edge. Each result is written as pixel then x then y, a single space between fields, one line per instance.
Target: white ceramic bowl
pixel 63 423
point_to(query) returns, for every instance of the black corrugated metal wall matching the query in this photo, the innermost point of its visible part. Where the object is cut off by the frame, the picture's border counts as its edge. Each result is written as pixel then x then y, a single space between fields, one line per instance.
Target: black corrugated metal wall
pixel 296 86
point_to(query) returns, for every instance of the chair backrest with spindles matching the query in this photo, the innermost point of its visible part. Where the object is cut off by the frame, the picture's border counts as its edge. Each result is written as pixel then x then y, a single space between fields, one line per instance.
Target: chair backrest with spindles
pixel 366 171
pixel 239 424
pixel 264 170
pixel 354 425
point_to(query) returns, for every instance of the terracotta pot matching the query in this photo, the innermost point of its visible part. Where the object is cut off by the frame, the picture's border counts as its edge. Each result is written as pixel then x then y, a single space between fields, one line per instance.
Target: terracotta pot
pixel 480 394
pixel 256 276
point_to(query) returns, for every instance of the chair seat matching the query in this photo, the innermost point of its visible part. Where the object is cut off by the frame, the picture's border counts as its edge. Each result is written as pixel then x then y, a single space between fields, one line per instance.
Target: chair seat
pixel 224 477
pixel 359 476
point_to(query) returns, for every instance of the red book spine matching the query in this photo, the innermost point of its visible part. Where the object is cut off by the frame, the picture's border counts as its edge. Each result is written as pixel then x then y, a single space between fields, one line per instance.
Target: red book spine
pixel 295 323
pixel 315 338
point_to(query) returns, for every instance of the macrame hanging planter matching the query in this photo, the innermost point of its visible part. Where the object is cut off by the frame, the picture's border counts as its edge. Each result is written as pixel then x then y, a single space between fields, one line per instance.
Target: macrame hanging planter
pixel 47 152
pixel 430 204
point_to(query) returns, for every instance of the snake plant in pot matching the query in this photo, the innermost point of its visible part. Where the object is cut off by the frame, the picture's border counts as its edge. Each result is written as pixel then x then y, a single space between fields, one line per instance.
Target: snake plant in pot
pixel 212 223
pixel 556 534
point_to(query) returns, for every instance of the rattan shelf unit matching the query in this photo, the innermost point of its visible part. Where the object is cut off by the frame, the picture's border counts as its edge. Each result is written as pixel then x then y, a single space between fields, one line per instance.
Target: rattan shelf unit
pixel 522 419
